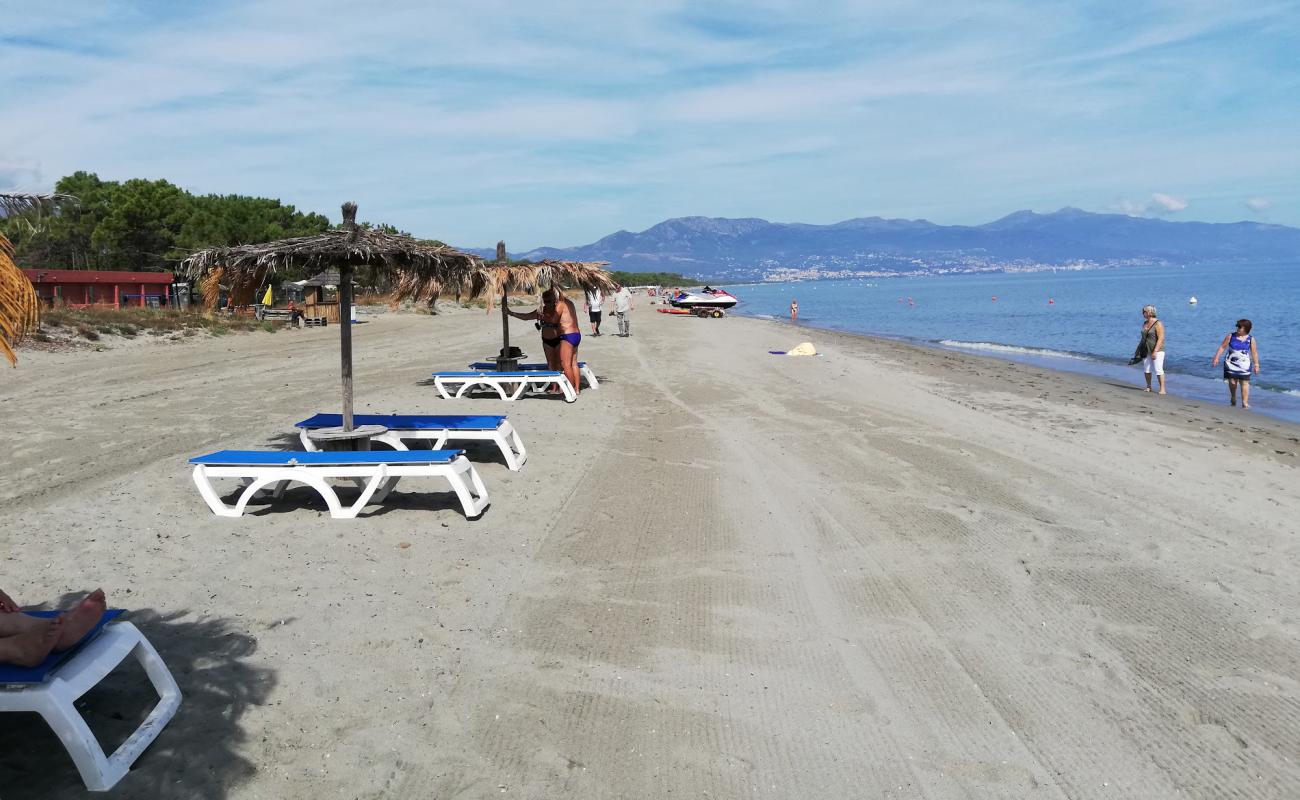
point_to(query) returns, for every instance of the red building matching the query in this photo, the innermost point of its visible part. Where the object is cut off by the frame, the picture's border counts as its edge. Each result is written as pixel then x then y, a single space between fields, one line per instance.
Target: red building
pixel 80 287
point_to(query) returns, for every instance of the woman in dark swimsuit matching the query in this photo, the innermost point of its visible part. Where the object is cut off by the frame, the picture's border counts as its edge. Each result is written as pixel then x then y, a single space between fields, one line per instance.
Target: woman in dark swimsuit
pixel 558 321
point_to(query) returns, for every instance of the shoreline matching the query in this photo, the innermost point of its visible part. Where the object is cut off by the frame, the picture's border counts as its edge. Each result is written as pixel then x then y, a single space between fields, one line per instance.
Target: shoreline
pixel 1279 404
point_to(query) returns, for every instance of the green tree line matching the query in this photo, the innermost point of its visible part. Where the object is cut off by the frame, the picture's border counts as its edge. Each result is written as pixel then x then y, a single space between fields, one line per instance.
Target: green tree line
pixel 150 225
pixel 652 278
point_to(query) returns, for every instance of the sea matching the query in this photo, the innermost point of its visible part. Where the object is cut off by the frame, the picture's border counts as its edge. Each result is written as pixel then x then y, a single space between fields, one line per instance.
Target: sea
pixel 1085 321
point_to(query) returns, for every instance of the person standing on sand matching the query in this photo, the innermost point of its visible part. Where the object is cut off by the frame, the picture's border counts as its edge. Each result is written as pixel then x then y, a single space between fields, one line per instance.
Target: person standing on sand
pixel 1242 355
pixel 558 322
pixel 25 641
pixel 794 310
pixel 622 305
pixel 595 299
pixel 1153 336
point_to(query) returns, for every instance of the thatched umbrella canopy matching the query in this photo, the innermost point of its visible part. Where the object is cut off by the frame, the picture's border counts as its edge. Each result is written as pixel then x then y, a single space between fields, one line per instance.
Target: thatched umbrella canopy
pixel 351 247
pixel 19 306
pixel 502 278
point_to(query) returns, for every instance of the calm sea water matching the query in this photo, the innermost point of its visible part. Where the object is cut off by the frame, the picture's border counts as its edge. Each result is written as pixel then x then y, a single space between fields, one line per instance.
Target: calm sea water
pixel 1086 321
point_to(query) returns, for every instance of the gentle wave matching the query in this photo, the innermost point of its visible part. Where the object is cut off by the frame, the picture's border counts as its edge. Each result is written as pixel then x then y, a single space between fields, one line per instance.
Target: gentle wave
pixel 1007 348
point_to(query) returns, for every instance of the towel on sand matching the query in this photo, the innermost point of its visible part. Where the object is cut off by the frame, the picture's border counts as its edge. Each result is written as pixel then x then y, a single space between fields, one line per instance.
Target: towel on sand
pixel 804 349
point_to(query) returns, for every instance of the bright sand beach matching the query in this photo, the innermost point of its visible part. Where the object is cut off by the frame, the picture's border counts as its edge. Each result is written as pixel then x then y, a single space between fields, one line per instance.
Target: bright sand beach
pixel 885 572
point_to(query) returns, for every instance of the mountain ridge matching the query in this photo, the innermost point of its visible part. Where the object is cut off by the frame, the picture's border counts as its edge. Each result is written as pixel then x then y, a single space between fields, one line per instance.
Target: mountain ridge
pixel 750 247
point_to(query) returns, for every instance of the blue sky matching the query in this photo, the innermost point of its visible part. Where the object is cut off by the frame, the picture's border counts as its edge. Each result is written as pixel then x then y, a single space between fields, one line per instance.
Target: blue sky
pixel 556 123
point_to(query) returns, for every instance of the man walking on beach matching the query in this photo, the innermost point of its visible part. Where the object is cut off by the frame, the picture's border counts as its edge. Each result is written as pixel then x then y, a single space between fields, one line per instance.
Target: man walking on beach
pixel 595 298
pixel 622 305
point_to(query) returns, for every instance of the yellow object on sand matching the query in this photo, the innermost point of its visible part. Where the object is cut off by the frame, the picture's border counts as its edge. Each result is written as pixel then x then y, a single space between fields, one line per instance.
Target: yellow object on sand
pixel 805 349
pixel 266 300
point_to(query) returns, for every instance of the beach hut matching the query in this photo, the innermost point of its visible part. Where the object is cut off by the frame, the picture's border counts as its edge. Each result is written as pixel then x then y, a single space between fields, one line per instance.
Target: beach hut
pixel 345 249
pixel 501 278
pixel 19 305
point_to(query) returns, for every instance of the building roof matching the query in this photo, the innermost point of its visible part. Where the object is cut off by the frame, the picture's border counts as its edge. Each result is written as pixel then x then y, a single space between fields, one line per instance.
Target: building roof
pixel 90 276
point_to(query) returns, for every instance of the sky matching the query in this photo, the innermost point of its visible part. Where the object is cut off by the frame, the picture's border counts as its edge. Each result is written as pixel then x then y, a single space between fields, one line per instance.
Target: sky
pixel 557 123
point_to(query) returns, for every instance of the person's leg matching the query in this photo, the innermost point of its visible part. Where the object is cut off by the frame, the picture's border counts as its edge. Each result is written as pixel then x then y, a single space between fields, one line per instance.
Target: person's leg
pixel 83 616
pixel 569 361
pixel 1232 391
pixel 1146 369
pixel 17 622
pixel 1245 394
pixel 31 647
pixel 1160 370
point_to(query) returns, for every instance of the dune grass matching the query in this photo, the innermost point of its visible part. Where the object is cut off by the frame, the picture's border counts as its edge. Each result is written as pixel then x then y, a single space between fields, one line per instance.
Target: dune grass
pixel 92 323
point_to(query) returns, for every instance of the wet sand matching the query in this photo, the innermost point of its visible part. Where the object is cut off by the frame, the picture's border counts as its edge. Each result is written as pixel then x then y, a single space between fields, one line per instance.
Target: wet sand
pixel 881 572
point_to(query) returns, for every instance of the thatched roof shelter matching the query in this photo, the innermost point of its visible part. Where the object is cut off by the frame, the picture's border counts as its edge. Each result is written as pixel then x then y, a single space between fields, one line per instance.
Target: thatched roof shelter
pixel 348 248
pixel 501 278
pixel 19 306
pixel 246 267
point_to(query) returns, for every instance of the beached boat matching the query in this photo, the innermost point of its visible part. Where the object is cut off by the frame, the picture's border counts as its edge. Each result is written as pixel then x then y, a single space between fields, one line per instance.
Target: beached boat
pixel 706 298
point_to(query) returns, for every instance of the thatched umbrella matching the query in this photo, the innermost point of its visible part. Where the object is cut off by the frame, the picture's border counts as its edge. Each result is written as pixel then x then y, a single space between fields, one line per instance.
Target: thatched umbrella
pixel 245 267
pixel 19 306
pixel 502 278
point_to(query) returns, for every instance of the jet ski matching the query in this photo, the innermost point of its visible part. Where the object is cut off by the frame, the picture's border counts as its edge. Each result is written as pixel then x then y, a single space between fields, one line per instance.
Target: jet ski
pixel 705 298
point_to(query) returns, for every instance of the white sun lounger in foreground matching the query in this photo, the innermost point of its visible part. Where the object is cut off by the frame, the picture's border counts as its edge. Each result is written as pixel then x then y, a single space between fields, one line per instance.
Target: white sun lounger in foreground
pixel 588 374
pixel 53 688
pixel 510 385
pixel 438 429
pixel 375 472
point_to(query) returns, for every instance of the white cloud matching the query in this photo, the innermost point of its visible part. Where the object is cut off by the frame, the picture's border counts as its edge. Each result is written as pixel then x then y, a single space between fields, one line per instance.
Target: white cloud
pixel 1159 204
pixel 1259 204
pixel 1169 203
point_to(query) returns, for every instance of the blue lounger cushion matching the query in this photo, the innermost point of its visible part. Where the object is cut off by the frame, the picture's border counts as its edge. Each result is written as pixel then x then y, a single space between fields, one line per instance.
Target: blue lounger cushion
pixel 527 373
pixel 41 672
pixel 409 422
pixel 328 458
pixel 537 367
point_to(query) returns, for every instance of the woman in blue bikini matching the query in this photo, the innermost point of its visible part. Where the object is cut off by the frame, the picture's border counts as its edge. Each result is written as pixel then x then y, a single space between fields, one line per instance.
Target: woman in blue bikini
pixel 558 322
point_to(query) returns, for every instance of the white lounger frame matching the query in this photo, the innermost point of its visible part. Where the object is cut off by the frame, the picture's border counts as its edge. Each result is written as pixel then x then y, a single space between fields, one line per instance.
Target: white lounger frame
pixel 522 382
pixel 505 436
pixel 54 701
pixel 374 480
pixel 584 369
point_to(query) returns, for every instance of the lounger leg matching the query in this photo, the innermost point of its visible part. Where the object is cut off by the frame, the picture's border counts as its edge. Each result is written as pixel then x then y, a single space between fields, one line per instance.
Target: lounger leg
pixel 474 500
pixel 307 442
pixel 567 388
pixel 464 387
pixel 209 494
pixel 279 489
pixel 79 741
pixel 392 440
pixel 378 478
pixel 442 388
pixel 512 447
pixel 590 375
pixel 98 771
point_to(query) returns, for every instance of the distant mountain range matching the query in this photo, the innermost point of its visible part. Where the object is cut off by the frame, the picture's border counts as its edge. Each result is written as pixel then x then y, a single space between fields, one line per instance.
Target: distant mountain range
pixel 747 249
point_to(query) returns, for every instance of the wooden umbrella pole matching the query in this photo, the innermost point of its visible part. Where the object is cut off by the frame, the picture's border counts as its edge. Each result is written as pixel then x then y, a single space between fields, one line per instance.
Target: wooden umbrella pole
pixel 345 340
pixel 504 361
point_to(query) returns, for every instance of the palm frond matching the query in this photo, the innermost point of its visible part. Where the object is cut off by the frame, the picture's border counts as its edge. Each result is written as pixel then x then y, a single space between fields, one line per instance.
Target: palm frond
pixel 19 306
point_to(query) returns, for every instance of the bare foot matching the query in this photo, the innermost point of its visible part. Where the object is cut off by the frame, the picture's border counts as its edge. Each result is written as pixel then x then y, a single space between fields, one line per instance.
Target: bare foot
pixel 1162 391
pixel 1245 405
pixel 1147 389
pixel 30 648
pixel 79 621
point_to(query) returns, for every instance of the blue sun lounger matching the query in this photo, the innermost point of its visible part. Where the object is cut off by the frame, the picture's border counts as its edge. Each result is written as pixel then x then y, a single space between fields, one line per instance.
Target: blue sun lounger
pixel 375 472
pixel 510 385
pixel 439 429
pixel 52 688
pixel 588 374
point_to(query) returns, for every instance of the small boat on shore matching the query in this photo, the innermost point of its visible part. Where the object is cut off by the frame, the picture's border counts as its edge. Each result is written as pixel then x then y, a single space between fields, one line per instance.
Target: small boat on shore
pixel 706 298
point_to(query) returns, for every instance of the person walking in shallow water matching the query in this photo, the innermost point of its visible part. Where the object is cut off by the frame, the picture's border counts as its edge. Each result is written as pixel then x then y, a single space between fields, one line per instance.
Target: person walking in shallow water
pixel 1242 356
pixel 1153 336
pixel 794 310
